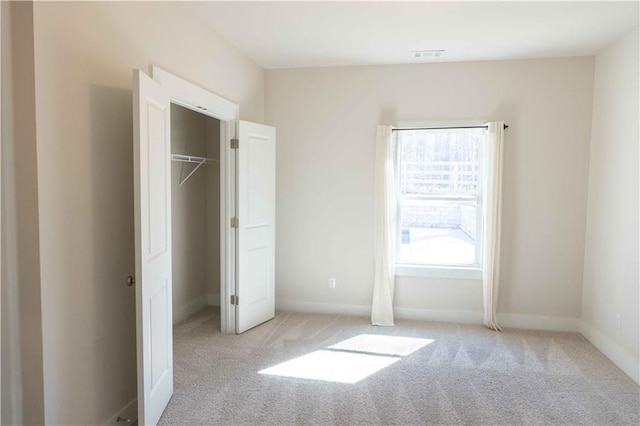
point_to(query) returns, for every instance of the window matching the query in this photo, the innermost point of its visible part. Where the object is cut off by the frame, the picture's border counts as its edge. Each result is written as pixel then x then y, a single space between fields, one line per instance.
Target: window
pixel 440 197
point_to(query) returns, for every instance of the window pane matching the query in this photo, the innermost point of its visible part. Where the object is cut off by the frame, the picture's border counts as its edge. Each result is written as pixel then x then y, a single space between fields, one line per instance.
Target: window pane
pixel 440 187
pixel 443 163
pixel 438 232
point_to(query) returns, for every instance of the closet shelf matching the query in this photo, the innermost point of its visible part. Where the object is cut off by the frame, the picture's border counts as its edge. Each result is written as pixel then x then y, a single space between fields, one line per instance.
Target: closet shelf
pixel 192 159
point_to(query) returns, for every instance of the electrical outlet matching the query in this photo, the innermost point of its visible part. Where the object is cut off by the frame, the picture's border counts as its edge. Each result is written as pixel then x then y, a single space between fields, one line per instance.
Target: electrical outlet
pixel 618 321
pixel 332 282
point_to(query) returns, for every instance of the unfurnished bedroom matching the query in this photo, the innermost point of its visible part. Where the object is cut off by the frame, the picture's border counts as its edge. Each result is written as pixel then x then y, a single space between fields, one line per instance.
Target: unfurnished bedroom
pixel 292 213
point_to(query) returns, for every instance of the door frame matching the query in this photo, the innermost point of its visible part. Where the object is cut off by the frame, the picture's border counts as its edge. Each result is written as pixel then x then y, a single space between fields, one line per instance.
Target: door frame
pixel 193 97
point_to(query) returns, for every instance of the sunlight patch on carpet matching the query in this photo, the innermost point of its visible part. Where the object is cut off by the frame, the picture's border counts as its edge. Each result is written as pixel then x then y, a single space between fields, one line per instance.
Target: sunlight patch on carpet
pixel 349 361
pixel 332 366
pixel 380 344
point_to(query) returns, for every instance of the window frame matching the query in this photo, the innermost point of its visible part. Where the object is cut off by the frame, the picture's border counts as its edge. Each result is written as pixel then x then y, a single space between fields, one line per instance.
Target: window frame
pixel 459 271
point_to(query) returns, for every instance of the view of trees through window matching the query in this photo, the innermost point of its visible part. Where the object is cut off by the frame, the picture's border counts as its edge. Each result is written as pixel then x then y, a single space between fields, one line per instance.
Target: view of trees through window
pixel 440 190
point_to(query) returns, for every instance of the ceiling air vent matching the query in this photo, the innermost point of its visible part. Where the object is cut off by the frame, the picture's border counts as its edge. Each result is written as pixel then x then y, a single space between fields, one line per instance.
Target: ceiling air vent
pixel 418 54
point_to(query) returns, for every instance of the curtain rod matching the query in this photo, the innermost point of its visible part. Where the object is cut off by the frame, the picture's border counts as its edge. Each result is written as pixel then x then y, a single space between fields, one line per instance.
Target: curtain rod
pixel 443 128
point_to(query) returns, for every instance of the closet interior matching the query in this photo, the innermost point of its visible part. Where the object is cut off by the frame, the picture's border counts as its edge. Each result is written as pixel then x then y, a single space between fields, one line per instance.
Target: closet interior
pixel 195 211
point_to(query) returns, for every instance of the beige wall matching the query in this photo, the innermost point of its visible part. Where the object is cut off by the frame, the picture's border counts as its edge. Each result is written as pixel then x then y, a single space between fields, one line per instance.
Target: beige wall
pixel 11 372
pixel 21 271
pixel 9 343
pixel 194 210
pixel 326 120
pixel 611 281
pixel 84 54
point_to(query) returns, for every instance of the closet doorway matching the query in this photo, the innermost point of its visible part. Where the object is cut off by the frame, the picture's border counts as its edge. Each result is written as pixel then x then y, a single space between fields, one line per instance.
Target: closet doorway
pixel 244 203
pixel 195 211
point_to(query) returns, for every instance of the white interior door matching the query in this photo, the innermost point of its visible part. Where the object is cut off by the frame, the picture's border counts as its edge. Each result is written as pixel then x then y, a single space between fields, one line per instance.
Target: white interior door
pixel 152 174
pixel 256 189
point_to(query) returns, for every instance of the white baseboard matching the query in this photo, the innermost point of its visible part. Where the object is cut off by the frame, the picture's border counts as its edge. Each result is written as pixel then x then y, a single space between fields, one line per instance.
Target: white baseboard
pixel 539 322
pixel 623 359
pixel 438 315
pixel 213 299
pixel 184 311
pixel 322 308
pixel 128 412
pixel 531 322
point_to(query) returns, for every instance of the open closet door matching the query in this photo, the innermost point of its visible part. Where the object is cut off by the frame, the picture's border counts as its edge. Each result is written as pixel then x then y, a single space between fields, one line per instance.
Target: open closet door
pixel 256 185
pixel 152 183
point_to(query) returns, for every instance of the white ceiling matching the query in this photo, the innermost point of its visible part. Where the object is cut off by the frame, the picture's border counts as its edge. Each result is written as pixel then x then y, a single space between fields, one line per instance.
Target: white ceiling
pixel 317 34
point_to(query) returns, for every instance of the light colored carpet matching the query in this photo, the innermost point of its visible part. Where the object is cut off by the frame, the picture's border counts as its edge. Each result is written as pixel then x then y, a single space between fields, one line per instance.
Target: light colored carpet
pixel 465 375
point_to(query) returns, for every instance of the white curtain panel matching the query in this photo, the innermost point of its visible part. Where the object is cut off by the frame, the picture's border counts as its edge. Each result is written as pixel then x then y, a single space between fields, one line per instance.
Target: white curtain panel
pixel 385 211
pixel 493 152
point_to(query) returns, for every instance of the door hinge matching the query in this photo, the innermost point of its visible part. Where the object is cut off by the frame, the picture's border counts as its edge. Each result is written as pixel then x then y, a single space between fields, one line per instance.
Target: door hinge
pixel 235 143
pixel 234 300
pixel 235 222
